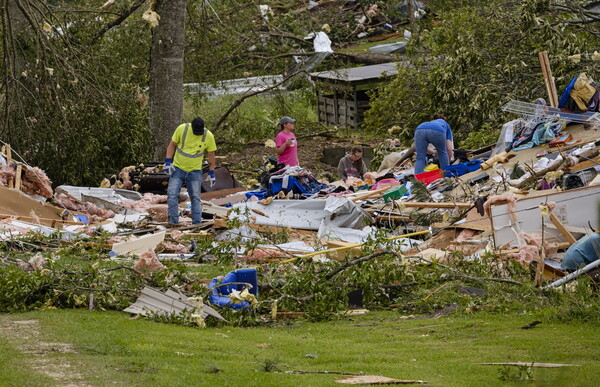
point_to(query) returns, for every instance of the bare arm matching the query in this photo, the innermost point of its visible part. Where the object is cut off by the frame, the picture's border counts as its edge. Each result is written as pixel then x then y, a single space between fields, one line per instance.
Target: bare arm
pixel 450 148
pixel 211 160
pixel 281 148
pixel 171 149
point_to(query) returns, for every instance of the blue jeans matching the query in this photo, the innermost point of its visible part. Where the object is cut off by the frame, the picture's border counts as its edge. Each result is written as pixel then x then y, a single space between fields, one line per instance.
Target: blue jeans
pixel 424 137
pixel 193 180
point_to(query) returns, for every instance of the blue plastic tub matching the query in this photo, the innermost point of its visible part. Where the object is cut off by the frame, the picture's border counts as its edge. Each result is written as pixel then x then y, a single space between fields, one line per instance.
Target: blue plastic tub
pixel 219 295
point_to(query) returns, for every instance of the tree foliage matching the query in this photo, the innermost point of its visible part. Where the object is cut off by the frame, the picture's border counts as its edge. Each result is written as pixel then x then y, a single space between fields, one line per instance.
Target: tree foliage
pixel 68 105
pixel 75 76
pixel 476 58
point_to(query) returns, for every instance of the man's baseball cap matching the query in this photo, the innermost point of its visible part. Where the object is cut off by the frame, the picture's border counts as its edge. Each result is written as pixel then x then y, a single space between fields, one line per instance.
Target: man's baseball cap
pixel 198 126
pixel 286 120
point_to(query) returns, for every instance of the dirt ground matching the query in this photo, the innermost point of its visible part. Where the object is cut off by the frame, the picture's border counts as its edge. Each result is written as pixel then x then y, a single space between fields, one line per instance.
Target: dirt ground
pixel 310 154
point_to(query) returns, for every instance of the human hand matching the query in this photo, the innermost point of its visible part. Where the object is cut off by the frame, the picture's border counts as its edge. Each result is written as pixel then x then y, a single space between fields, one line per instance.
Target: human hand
pixel 169 167
pixel 212 178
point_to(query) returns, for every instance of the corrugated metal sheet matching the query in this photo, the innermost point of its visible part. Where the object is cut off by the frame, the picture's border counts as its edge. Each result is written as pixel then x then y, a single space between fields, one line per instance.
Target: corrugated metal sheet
pixel 358 73
pixel 170 302
pixel 109 194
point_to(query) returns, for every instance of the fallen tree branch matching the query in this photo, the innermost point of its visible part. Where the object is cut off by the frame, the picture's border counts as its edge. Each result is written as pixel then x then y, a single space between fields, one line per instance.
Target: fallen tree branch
pixel 360 260
pixel 459 274
pixel 244 97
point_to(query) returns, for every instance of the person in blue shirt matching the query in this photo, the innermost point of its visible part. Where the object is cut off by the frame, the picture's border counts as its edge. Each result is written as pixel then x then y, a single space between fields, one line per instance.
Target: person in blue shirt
pixel 436 132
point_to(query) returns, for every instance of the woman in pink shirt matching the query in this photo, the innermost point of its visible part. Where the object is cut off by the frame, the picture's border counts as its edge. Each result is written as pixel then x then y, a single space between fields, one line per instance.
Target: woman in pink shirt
pixel 286 143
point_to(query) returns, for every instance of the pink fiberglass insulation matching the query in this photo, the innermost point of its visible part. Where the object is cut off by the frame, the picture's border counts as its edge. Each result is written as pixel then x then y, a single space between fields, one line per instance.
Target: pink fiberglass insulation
pixel 33 181
pixel 175 248
pixel 36 182
pixel 527 254
pixel 507 198
pixel 6 174
pixel 145 202
pixel 158 212
pixel 73 204
pixel 177 235
pixel 148 262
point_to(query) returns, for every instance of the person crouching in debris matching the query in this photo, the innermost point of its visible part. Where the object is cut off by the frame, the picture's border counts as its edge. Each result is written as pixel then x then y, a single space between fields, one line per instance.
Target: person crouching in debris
pixel 436 132
pixel 183 163
pixel 352 164
pixel 286 143
pixel 583 252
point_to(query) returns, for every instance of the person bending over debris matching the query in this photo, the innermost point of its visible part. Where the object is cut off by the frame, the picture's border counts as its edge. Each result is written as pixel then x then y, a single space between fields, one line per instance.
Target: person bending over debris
pixel 582 253
pixel 183 162
pixel 438 133
pixel 352 164
pixel 286 143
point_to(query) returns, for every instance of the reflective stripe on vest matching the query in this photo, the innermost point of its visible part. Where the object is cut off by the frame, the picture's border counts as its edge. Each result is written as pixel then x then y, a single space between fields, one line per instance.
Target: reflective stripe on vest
pixel 180 149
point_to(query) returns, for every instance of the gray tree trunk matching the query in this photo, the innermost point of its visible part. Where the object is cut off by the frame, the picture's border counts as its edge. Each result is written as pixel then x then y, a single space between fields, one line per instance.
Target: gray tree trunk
pixel 166 73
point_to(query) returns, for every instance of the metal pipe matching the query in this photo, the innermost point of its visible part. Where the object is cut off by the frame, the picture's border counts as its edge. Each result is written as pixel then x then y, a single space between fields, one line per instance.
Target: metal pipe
pixel 573 275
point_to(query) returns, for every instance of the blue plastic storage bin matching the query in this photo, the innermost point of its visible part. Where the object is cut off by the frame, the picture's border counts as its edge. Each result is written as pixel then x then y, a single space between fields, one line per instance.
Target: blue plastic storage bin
pixel 219 295
pixel 462 169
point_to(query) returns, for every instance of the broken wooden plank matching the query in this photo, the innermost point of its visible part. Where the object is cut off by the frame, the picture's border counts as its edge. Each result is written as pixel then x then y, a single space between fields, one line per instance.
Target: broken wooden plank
pixel 209 208
pixel 260 213
pixel 367 195
pixel 499 158
pixel 219 223
pixel 548 78
pixel 585 164
pixel 18 174
pixel 433 204
pixel 54 223
pixel 212 196
pixel 562 229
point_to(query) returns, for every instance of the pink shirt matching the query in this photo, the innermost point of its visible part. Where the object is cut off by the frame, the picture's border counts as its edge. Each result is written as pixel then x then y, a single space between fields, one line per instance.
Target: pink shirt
pixel 290 154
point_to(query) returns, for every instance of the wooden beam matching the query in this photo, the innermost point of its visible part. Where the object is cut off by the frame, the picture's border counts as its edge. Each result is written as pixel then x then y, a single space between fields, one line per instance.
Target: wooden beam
pixel 367 194
pixel 548 78
pixel 45 221
pixel 585 164
pixel 18 174
pixel 499 158
pixel 434 204
pixel 8 154
pixel 563 230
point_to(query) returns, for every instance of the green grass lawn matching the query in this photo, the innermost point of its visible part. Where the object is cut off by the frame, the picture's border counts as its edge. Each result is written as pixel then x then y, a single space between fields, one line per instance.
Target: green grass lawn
pixel 109 348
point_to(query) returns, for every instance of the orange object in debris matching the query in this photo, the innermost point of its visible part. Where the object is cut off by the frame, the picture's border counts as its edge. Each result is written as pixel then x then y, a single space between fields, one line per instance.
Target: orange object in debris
pixel 561 140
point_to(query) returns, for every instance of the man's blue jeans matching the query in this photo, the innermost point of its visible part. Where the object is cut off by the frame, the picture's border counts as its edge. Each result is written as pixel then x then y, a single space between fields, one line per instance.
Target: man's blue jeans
pixel 424 137
pixel 193 181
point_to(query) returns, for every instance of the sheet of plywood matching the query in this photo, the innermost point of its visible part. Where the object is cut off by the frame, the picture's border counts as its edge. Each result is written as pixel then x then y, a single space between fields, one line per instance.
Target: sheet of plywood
pixel 15 202
pixel 576 207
